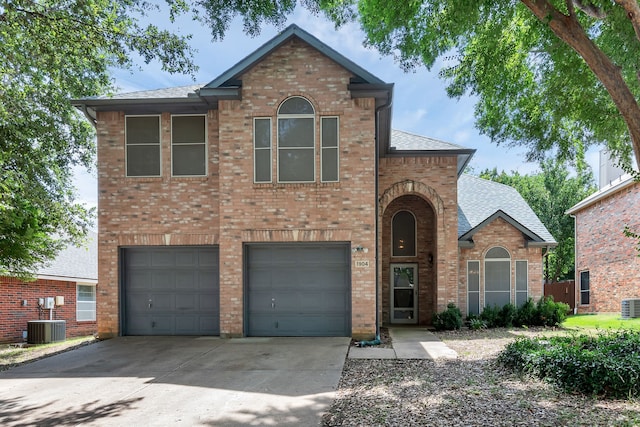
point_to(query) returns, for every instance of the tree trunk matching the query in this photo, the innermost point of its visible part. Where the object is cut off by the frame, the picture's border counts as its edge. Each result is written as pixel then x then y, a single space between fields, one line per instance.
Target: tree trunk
pixel 569 30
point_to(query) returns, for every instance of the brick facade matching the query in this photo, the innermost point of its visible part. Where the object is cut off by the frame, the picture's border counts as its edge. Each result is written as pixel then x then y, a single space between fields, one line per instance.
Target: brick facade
pixel 227 209
pixel 15 316
pixel 602 249
pixel 502 234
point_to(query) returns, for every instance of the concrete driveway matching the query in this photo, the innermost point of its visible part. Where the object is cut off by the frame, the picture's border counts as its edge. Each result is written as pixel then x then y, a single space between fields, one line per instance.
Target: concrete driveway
pixel 161 381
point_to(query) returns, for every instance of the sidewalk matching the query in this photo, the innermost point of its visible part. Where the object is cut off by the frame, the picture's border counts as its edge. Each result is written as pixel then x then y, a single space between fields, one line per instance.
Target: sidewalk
pixel 408 343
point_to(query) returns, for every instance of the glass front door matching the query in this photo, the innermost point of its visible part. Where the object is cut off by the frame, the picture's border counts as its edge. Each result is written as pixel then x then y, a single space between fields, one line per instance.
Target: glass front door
pixel 404 293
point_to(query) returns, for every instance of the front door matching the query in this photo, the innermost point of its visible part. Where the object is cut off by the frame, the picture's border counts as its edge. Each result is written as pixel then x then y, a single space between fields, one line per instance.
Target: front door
pixel 404 293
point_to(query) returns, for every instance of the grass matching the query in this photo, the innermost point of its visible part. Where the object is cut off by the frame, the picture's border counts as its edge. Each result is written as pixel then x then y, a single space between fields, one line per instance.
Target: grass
pixel 600 321
pixel 13 356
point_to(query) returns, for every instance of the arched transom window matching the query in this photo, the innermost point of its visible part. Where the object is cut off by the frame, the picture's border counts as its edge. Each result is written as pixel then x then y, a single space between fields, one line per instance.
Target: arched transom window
pixel 403 234
pixel 296 141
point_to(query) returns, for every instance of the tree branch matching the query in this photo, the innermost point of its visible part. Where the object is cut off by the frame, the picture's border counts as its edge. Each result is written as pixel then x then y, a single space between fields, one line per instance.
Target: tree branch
pixel 633 13
pixel 590 9
pixel 569 30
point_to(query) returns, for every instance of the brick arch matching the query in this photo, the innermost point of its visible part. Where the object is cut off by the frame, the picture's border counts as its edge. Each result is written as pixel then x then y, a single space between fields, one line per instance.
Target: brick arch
pixel 408 187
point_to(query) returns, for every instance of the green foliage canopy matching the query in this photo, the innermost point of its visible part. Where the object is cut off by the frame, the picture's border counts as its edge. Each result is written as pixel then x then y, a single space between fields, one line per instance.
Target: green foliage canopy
pixel 550 193
pixel 52 51
pixel 551 75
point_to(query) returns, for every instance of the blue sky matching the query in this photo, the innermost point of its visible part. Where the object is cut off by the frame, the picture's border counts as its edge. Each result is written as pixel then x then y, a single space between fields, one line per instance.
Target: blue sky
pixel 420 103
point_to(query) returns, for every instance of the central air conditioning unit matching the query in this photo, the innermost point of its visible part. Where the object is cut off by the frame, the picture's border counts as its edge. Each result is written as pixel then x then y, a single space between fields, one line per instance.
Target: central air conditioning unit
pixel 46 331
pixel 630 308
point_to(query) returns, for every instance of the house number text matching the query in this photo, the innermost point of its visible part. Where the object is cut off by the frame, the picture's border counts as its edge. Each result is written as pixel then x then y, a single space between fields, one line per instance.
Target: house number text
pixel 362 263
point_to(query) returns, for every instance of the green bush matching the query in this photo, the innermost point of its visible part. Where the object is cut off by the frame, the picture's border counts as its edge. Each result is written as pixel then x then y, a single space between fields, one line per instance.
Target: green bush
pixel 606 365
pixel 476 323
pixel 551 313
pixel 490 316
pixel 506 316
pixel 526 314
pixel 449 319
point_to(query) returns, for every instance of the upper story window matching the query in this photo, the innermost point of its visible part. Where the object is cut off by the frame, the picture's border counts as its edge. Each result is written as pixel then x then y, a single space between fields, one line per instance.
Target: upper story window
pixel 142 141
pixel 329 150
pixel 262 149
pixel 403 234
pixel 296 141
pixel 188 145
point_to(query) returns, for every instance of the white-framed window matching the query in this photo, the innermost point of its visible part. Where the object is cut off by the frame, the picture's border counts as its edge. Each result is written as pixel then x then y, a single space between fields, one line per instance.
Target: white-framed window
pixel 585 288
pixel 85 302
pixel 403 234
pixel 262 149
pixel 189 145
pixel 329 154
pixel 142 146
pixel 473 287
pixel 522 282
pixel 497 277
pixel 296 141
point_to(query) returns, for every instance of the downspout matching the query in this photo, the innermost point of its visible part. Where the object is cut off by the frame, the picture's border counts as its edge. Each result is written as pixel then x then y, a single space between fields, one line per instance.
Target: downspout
pixel 387 104
pixel 576 288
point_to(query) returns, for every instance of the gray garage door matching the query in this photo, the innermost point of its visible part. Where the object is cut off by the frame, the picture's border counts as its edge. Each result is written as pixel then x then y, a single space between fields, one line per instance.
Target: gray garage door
pixel 171 291
pixel 298 290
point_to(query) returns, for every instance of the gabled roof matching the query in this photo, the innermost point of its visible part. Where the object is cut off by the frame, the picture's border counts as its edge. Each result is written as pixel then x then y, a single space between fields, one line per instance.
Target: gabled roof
pixel 617 185
pixel 77 264
pixel 408 144
pixel 480 202
pixel 199 98
pixel 229 77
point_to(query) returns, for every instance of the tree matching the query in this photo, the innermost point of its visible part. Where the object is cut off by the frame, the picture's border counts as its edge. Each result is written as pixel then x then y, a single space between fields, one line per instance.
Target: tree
pixel 552 75
pixel 52 51
pixel 550 193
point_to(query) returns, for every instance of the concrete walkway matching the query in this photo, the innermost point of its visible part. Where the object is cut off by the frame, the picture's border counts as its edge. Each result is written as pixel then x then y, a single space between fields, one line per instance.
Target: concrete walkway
pixel 408 343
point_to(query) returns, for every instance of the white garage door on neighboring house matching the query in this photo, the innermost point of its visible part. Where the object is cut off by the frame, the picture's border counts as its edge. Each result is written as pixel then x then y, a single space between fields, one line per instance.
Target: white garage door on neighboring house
pixel 170 291
pixel 298 289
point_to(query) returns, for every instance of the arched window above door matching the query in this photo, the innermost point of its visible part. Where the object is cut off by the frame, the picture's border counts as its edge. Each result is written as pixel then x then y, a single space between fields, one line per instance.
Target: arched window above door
pixel 403 234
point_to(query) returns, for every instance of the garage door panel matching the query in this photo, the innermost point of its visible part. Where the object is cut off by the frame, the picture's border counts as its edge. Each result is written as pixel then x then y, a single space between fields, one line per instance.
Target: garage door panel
pixel 186 258
pixel 186 280
pixel 184 294
pixel 310 284
pixel 137 258
pixel 162 258
pixel 186 302
pixel 203 279
pixel 163 280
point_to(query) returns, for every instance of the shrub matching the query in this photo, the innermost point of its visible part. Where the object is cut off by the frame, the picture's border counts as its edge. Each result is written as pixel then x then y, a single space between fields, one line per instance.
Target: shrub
pixel 606 365
pixel 551 313
pixel 506 316
pixel 490 316
pixel 526 314
pixel 449 319
pixel 476 323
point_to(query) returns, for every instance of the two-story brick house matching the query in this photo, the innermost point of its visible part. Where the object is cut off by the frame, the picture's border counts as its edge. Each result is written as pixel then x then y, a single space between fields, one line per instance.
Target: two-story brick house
pixel 607 262
pixel 277 201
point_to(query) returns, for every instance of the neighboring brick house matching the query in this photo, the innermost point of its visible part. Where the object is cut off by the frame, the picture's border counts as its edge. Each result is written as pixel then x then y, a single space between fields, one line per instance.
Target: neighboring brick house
pixel 277 201
pixel 72 275
pixel 607 263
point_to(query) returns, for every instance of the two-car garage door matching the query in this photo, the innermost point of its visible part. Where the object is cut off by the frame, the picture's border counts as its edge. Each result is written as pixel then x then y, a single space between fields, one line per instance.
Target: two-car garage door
pixel 289 290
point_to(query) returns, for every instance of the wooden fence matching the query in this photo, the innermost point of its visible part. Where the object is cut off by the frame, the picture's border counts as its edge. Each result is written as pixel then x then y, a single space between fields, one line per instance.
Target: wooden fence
pixel 564 291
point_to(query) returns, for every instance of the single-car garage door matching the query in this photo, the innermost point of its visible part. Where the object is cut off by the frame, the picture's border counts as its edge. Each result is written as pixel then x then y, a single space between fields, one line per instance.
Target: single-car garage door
pixel 171 291
pixel 298 290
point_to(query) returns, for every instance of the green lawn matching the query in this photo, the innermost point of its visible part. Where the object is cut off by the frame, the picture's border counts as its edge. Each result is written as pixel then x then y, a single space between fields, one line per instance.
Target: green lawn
pixel 600 321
